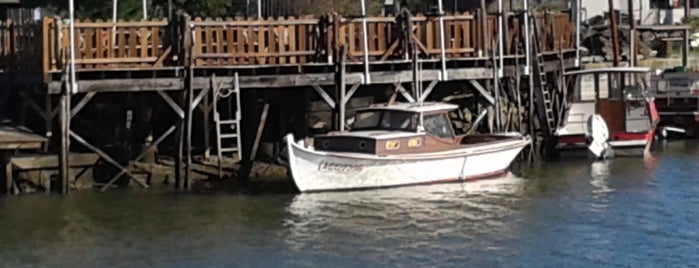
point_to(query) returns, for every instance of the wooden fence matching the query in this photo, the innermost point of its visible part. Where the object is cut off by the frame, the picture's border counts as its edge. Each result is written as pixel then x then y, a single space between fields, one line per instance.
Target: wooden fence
pixel 43 46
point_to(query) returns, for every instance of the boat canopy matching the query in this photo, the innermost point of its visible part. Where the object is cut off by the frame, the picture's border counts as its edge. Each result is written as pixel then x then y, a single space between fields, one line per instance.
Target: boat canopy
pixel 639 70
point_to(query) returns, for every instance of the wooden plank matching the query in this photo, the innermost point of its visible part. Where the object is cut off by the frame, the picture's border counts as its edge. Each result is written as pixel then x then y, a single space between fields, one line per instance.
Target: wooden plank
pixel 282 41
pixel 229 41
pixel 129 60
pixel 271 44
pixel 121 24
pixel 254 23
pixel 51 161
pixel 292 42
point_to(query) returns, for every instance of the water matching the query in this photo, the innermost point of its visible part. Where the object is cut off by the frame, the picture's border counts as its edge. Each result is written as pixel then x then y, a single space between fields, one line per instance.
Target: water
pixel 619 213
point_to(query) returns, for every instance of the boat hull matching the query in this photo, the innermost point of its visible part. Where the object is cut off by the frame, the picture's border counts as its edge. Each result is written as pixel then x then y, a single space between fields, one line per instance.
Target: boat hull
pixel 314 171
pixel 626 145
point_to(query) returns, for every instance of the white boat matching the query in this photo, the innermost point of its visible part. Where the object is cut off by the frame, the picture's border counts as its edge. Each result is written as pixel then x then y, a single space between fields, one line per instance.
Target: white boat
pixel 616 101
pixel 398 145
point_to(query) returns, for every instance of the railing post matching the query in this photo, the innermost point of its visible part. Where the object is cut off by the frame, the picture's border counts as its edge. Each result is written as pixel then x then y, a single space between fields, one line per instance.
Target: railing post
pixel 365 44
pixel 442 45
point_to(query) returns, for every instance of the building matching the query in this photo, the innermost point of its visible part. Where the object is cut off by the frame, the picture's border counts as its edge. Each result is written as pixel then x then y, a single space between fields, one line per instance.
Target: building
pixel 647 12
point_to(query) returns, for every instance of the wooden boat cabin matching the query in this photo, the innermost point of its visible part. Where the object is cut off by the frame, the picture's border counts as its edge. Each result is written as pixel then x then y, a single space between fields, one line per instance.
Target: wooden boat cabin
pixel 618 94
pixel 395 129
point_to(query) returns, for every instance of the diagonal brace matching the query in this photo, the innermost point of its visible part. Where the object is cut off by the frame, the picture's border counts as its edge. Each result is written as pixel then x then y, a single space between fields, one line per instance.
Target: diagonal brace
pixel 427 91
pixel 172 103
pixel 405 93
pixel 106 158
pixel 483 92
pixel 350 93
pixel 325 96
pixel 84 101
pixel 139 157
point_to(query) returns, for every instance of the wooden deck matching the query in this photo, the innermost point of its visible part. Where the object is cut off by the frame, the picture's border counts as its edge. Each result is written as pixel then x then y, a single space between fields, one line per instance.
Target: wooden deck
pixel 152 55
pixel 12 138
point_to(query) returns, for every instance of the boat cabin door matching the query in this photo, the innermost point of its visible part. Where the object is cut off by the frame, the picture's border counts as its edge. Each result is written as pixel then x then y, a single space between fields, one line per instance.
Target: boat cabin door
pixel 620 100
pixel 609 100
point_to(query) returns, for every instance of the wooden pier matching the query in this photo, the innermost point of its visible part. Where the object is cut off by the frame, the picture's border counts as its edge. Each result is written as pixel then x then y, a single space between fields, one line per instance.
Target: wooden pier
pixel 192 63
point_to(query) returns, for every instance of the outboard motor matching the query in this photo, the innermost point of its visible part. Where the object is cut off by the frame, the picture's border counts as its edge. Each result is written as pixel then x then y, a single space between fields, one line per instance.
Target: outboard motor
pixel 597 137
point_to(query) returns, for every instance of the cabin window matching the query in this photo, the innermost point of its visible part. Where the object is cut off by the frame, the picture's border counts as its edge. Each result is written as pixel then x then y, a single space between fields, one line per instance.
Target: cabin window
pixel 585 91
pixel 616 82
pixel 438 125
pixel 364 120
pixel 389 120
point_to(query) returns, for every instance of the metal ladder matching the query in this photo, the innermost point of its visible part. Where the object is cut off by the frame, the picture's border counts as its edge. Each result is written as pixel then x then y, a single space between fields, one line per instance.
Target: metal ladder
pixel 228 138
pixel 543 94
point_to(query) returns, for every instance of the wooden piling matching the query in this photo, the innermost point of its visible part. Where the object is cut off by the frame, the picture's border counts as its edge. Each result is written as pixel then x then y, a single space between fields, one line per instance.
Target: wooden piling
pixel 65 137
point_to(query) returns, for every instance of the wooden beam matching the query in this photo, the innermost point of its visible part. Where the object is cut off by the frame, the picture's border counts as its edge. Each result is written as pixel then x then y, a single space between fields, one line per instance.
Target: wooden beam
pixel 140 156
pixel 429 89
pixel 84 101
pixel 258 135
pixel 351 92
pixel 175 107
pixel 107 158
pixel 325 96
pixel 285 81
pixel 405 93
pixel 483 91
pixel 122 85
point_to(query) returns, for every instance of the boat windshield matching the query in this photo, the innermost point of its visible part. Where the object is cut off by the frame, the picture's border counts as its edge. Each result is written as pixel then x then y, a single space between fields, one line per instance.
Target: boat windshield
pixel 385 120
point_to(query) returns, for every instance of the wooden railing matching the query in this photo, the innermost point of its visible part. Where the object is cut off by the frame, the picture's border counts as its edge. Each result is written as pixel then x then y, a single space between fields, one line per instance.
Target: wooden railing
pixel 43 46
pixel 249 42
pixel 459 40
pixel 556 31
pixel 106 45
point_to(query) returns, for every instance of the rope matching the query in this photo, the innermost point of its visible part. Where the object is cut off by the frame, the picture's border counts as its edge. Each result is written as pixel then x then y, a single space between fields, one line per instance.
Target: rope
pixel 228 93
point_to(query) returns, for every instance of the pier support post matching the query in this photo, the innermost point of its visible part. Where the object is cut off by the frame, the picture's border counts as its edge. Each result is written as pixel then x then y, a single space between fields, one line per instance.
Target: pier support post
pixel 65 136
pixel 342 87
pixel 188 128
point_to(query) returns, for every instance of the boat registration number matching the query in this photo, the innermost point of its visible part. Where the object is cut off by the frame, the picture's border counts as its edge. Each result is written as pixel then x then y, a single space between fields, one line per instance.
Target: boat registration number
pixel 338 167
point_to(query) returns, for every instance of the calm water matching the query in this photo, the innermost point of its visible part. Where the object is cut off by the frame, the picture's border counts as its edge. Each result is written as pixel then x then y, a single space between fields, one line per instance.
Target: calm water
pixel 625 212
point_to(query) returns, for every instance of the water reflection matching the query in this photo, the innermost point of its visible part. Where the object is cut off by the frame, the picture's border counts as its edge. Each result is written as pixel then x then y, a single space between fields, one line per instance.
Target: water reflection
pixel 423 220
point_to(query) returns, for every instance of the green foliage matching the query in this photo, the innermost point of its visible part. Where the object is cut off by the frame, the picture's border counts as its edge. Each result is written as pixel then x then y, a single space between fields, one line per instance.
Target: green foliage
pixel 692 21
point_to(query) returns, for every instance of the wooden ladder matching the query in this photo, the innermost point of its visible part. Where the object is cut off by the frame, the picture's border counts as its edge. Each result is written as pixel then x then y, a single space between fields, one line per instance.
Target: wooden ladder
pixel 543 94
pixel 228 132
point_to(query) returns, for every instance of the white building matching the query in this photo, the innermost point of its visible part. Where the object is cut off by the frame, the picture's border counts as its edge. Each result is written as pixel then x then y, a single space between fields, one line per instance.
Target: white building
pixel 649 12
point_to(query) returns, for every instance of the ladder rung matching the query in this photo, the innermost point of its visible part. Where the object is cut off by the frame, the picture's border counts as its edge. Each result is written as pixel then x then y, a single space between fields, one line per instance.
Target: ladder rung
pixel 230 121
pixel 226 150
pixel 228 135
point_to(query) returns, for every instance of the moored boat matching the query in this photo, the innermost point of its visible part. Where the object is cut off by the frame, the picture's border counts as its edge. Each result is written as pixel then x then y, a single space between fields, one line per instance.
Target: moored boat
pixel 399 144
pixel 611 100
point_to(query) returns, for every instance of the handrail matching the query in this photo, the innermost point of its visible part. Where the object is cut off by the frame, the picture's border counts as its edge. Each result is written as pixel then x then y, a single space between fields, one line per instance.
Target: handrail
pixel 40 47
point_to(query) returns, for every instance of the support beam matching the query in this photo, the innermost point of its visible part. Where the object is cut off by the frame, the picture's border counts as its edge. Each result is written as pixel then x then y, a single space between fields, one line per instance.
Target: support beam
pixel 65 138
pixel 175 107
pixel 350 93
pixel 685 48
pixel 615 33
pixel 405 93
pixel 83 102
pixel 477 122
pixel 427 91
pixel 483 91
pixel 325 96
pixel 188 127
pixel 258 135
pixel 442 46
pixel 107 158
pixel 139 157
pixel 365 44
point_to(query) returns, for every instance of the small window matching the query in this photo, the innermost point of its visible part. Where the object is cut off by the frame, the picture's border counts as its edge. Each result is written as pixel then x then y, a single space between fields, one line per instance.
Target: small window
pixel 364 120
pixel 438 125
